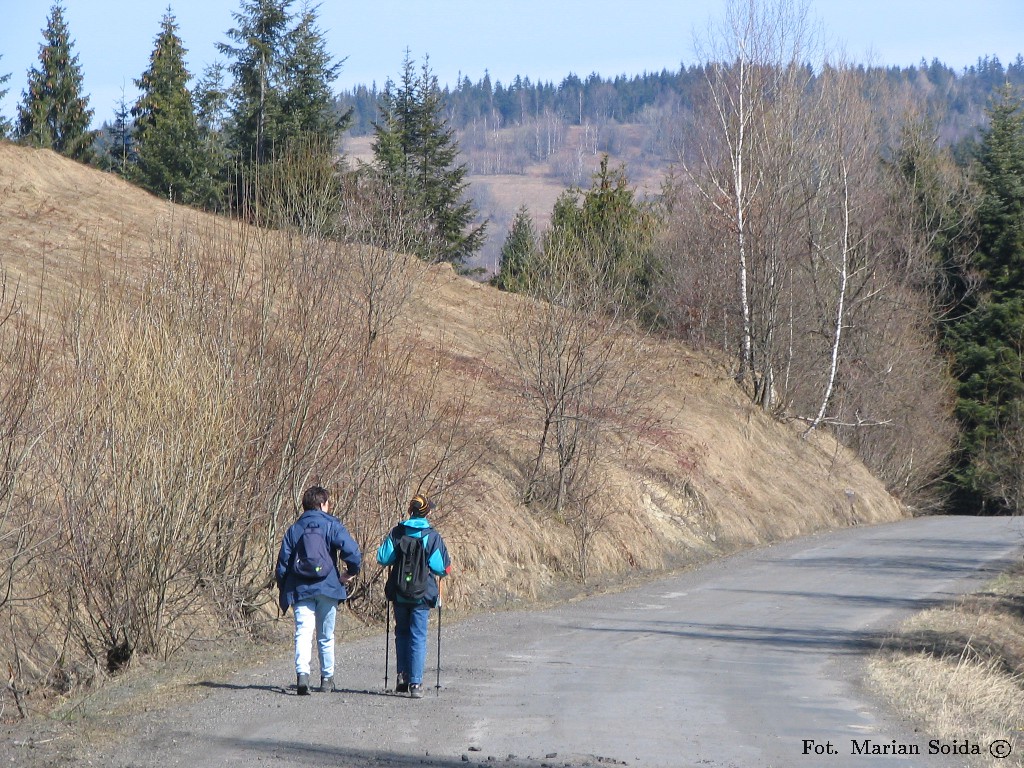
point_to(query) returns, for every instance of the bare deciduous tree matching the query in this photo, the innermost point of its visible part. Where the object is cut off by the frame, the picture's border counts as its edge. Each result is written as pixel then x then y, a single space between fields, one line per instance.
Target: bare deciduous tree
pixel 751 140
pixel 576 361
pixel 788 198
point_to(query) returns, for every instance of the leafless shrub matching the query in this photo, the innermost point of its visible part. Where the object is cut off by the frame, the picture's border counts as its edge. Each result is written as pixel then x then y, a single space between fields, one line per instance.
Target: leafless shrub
pixel 191 400
pixel 23 537
pixel 300 189
pixel 579 369
pixel 376 231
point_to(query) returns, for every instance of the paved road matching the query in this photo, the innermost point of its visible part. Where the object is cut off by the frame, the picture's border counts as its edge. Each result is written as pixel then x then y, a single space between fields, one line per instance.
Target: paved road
pixel 731 665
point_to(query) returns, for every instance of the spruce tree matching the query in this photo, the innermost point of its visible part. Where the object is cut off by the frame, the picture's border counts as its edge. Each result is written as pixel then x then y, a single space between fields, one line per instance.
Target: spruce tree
pixel 54 112
pixel 987 342
pixel 281 91
pixel 170 158
pixel 517 253
pixel 5 124
pixel 416 154
pixel 614 234
pixel 307 74
pixel 211 102
pixel 256 62
pixel 1001 213
pixel 115 143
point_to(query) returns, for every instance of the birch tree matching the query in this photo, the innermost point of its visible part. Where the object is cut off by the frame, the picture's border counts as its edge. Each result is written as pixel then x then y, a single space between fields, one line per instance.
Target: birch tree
pixel 784 195
pixel 749 146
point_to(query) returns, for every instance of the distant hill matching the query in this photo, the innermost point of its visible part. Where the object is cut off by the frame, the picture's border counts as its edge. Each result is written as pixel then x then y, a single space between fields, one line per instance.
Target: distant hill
pixel 525 142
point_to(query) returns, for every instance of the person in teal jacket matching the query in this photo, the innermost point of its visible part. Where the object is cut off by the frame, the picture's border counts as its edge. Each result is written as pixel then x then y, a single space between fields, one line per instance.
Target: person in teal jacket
pixel 411 617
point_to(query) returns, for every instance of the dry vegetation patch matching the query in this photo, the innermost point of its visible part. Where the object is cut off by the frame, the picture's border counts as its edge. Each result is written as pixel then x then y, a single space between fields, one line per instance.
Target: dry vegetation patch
pixel 199 373
pixel 959 670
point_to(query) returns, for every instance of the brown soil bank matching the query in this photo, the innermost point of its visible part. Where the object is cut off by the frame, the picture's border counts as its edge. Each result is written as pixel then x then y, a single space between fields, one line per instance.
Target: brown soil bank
pixel 701 470
pixel 713 474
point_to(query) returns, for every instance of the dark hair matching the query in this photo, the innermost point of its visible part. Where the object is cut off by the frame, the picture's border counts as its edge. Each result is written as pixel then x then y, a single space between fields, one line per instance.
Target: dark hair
pixel 314 497
pixel 420 506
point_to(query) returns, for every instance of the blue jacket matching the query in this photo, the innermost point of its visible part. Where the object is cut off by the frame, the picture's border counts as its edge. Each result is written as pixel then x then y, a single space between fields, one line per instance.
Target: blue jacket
pixel 293 587
pixel 437 553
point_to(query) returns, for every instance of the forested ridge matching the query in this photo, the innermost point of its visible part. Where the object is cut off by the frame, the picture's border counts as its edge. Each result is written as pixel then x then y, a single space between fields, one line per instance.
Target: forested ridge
pixel 959 97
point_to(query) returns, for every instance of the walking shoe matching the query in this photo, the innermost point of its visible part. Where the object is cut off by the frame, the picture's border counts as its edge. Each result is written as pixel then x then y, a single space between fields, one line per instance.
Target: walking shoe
pixel 327 684
pixel 401 685
pixel 415 691
pixel 302 685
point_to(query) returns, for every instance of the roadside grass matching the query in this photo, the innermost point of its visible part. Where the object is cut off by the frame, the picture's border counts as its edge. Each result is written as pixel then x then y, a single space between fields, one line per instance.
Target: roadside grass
pixel 958 671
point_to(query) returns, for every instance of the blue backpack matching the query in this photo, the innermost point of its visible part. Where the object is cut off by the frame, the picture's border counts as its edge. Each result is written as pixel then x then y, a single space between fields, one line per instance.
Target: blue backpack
pixel 312 558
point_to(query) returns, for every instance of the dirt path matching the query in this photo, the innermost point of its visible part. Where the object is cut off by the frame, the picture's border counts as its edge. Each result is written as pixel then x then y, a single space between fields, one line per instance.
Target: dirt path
pixel 741 663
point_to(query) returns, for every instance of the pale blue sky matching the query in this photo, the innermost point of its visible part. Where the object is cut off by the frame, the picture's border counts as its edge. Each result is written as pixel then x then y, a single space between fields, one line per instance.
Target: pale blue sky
pixel 541 39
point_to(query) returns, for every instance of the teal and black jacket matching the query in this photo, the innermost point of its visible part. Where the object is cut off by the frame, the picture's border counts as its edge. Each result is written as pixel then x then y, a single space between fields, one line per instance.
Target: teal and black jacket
pixel 438 561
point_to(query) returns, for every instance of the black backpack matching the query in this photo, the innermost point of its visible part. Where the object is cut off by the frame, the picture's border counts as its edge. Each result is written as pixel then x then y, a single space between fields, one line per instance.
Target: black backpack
pixel 407 582
pixel 312 555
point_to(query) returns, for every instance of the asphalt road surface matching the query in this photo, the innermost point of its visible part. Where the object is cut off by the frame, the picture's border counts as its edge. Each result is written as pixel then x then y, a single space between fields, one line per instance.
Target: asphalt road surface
pixel 740 663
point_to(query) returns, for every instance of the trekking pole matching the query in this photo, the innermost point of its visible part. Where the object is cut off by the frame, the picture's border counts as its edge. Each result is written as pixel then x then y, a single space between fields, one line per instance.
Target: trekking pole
pixel 387 641
pixel 437 688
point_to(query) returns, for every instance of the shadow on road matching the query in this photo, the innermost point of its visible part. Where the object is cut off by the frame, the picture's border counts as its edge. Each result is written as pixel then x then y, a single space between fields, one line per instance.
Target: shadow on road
pixel 896 603
pixel 299 753
pixel 797 640
pixel 829 640
pixel 949 545
pixel 238 687
pixel 286 690
pixel 898 564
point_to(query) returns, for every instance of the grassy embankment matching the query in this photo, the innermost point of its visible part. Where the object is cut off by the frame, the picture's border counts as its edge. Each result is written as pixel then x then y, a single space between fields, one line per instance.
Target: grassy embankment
pixel 958 670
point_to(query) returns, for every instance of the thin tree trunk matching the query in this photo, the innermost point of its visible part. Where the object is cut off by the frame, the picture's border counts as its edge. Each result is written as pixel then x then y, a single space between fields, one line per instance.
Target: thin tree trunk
pixel 840 304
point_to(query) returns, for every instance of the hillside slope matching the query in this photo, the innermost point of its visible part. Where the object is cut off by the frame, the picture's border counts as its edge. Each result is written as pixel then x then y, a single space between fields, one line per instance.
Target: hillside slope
pixel 714 475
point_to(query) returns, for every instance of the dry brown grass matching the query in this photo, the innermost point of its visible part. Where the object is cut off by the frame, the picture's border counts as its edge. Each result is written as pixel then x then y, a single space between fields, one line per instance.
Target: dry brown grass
pixel 959 670
pixel 717 474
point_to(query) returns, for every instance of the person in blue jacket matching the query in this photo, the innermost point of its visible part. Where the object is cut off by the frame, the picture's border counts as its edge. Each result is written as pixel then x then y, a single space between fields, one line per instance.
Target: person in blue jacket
pixel 411 617
pixel 314 600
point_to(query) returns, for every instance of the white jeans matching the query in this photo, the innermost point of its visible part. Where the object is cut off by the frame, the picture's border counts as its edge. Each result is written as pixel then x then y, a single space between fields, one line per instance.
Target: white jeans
pixel 316 613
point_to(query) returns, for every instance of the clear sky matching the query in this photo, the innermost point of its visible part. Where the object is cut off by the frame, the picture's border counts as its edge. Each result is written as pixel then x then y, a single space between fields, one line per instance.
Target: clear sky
pixel 541 39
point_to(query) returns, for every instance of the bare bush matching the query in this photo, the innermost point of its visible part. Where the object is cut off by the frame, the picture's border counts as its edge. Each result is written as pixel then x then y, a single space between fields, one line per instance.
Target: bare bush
pixel 578 365
pixel 300 189
pixel 376 230
pixel 23 536
pixel 191 400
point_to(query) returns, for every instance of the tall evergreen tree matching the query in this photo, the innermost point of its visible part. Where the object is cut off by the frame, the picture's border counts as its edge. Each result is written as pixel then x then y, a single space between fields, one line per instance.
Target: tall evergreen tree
pixel 211 102
pixel 256 99
pixel 5 124
pixel 416 153
pixel 170 158
pixel 281 92
pixel 517 253
pixel 115 144
pixel 307 74
pixel 988 341
pixel 1001 213
pixel 54 112
pixel 614 232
